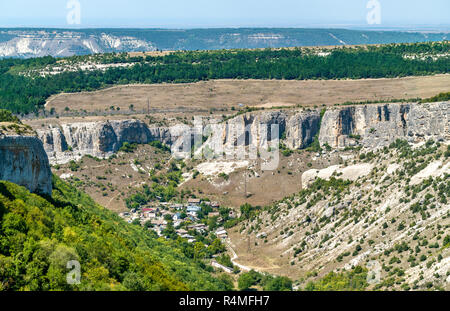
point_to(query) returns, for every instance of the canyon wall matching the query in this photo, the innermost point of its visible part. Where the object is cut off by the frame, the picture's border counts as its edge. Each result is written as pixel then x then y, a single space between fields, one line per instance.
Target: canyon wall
pixel 71 141
pixel 370 126
pixel 374 126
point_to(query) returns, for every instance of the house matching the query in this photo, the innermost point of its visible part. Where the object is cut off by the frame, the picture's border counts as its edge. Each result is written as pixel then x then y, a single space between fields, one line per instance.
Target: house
pixel 193 208
pixel 193 201
pixel 177 207
pixel 187 236
pixel 159 222
pixel 150 215
pixel 182 231
pixel 201 228
pixel 221 233
pixel 176 217
pixel 164 212
pixel 215 205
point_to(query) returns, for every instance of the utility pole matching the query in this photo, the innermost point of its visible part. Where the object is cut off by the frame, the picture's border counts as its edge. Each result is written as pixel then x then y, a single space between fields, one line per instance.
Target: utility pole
pixel 148 106
pixel 245 184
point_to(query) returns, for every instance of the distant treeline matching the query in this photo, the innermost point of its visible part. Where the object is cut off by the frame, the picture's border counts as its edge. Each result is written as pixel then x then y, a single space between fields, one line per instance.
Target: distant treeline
pixel 22 94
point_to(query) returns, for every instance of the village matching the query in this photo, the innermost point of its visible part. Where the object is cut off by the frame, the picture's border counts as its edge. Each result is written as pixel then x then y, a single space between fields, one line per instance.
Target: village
pixel 196 217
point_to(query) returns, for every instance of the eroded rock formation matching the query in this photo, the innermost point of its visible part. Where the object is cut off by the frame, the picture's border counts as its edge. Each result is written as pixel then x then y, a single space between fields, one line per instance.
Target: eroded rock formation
pixel 24 162
pixel 370 126
pixel 375 126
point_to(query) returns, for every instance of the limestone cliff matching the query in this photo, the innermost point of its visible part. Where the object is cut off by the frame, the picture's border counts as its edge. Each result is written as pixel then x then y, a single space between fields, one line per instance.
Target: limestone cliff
pixel 375 126
pixel 24 162
pixel 370 126
pixel 255 129
pixel 70 141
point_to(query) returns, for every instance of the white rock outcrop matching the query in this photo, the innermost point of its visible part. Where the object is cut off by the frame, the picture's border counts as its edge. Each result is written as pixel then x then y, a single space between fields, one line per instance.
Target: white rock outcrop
pixel 24 162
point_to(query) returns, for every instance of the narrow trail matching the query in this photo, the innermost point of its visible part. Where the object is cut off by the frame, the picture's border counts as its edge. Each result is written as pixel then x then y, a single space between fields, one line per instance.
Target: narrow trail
pixel 235 256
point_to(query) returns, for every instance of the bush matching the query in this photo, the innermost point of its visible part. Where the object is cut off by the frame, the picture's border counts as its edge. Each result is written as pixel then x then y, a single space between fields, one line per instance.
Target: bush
pixel 128 148
pixel 7 116
pixel 279 283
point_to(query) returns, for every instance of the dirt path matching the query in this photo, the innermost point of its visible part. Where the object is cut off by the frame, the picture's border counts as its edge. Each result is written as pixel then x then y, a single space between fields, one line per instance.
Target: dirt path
pixel 235 256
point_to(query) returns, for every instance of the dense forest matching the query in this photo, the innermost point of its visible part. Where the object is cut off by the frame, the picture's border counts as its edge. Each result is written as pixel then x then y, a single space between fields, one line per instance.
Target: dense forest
pixel 39 235
pixel 24 94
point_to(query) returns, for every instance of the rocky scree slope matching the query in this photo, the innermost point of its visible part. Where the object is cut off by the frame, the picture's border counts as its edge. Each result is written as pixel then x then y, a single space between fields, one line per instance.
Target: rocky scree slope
pixel 393 219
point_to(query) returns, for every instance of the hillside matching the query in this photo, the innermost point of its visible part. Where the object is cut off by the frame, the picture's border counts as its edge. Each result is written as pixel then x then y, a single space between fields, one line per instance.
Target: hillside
pixel 39 235
pixel 386 211
pixel 64 42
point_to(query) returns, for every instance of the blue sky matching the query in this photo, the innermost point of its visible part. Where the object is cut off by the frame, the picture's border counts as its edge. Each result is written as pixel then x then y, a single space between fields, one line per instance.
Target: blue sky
pixel 225 13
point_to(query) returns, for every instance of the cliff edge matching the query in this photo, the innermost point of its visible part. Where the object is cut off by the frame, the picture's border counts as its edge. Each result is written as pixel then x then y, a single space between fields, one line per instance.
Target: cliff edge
pixel 24 162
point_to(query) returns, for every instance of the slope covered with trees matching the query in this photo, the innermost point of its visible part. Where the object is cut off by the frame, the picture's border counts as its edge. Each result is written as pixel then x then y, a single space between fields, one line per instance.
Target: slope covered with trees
pixel 38 236
pixel 24 94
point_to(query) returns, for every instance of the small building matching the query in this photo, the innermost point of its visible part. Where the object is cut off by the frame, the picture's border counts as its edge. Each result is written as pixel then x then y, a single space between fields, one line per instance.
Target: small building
pixel 215 204
pixel 193 208
pixel 221 234
pixel 201 228
pixel 187 236
pixel 177 207
pixel 193 201
pixel 176 216
pixel 182 231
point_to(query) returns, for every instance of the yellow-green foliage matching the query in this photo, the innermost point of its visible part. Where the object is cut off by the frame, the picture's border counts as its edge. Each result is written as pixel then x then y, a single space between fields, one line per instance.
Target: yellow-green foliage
pixel 345 281
pixel 38 236
pixel 7 116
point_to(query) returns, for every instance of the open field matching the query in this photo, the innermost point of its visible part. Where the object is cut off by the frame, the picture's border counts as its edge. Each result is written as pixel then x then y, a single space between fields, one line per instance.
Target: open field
pixel 219 96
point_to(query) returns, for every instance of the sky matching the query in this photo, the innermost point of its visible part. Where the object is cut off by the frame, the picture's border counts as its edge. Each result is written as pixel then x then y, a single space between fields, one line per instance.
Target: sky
pixel 225 13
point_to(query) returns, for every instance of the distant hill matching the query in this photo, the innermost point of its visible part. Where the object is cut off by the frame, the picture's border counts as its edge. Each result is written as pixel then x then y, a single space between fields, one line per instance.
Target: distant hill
pixel 33 42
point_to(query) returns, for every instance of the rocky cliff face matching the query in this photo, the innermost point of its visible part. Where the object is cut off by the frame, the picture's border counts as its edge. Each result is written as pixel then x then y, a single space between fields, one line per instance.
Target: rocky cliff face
pixel 24 162
pixel 255 129
pixel 100 139
pixel 371 126
pixel 375 126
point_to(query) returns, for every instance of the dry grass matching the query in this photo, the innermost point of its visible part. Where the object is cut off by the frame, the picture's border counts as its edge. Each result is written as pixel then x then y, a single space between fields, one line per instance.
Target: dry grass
pixel 218 96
